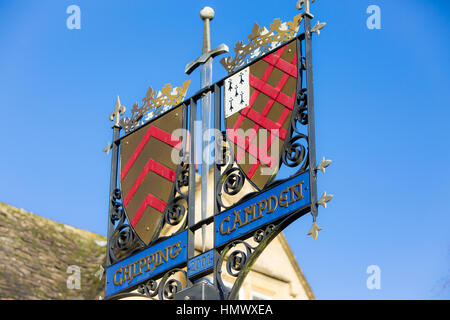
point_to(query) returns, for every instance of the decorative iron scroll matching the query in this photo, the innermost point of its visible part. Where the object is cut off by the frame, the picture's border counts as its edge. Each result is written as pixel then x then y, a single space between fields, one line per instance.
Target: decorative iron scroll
pixel 295 149
pixel 167 287
pixel 239 256
pixel 261 41
pixel 176 208
pixel 232 179
pixel 124 241
pixel 154 103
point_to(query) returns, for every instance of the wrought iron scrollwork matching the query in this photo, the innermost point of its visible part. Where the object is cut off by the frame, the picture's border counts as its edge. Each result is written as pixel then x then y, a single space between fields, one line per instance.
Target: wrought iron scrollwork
pixel 167 287
pixel 296 147
pixel 170 288
pixel 295 153
pixel 232 178
pixel 124 241
pixel 241 256
pixel 238 259
pixel 175 212
pixel 176 208
pixel 117 206
pixel 300 113
pixel 233 181
pixel 262 234
pixel 149 288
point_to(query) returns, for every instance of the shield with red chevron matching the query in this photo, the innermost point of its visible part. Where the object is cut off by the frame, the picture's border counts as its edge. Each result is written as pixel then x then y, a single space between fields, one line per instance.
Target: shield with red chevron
pixel 258 105
pixel 149 158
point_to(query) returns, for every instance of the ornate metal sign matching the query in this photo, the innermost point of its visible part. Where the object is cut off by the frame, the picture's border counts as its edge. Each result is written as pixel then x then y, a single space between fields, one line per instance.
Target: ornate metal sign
pixel 147 263
pixel 266 207
pixel 265 171
pixel 149 161
pixel 259 101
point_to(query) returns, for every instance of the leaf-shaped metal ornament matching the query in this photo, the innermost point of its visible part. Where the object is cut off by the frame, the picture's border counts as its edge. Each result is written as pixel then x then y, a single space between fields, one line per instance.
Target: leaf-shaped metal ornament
pixel 108 148
pixel 314 231
pixel 319 26
pixel 323 164
pixel 324 199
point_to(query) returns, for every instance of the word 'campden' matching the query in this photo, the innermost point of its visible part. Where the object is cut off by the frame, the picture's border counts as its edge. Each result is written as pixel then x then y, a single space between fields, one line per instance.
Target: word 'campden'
pixel 257 210
pixel 146 264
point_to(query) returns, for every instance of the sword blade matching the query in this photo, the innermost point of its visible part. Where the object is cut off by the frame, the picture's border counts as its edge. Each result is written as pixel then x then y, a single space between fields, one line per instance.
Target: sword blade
pixel 206 80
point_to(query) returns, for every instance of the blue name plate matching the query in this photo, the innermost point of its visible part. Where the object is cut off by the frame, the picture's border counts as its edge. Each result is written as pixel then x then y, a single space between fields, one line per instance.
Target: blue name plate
pixel 200 263
pixel 147 263
pixel 268 206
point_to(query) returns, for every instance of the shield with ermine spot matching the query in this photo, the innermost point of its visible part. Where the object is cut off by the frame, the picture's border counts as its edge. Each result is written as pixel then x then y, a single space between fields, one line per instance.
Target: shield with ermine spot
pixel 258 105
pixel 149 160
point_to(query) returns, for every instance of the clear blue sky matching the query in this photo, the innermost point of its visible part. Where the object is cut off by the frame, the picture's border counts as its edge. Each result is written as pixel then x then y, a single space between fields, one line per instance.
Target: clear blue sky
pixel 382 116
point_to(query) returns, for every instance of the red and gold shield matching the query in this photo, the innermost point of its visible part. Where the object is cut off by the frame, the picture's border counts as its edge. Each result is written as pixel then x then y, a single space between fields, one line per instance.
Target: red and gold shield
pixel 149 160
pixel 258 105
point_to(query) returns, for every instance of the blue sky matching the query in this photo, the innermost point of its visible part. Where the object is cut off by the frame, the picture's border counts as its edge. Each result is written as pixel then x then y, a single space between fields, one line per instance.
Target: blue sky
pixel 382 115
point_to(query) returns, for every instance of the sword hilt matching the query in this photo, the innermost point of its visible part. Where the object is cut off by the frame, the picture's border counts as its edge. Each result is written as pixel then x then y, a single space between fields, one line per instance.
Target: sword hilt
pixel 206 14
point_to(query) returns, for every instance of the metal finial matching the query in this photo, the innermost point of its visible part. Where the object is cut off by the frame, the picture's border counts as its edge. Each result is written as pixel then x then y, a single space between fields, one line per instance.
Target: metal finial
pixel 305 4
pixel 118 111
pixel 314 231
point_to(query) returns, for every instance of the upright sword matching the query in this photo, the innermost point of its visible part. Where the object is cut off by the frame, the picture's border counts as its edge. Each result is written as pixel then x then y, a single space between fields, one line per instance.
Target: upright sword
pixel 205 61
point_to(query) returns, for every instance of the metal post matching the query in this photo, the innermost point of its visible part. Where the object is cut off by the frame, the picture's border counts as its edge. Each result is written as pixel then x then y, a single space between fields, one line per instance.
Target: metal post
pixel 217 151
pixel 115 117
pixel 112 187
pixel 311 121
pixel 191 195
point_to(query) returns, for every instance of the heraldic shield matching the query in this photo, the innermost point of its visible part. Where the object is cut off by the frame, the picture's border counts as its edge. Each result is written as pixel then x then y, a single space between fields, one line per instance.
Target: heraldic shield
pixel 258 105
pixel 149 158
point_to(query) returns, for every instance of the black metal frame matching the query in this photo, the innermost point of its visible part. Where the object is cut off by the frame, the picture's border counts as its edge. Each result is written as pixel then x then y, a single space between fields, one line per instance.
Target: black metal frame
pixel 298 152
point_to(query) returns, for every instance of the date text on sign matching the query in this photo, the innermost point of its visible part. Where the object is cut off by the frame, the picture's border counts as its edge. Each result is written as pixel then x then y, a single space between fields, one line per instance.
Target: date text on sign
pixel 201 263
